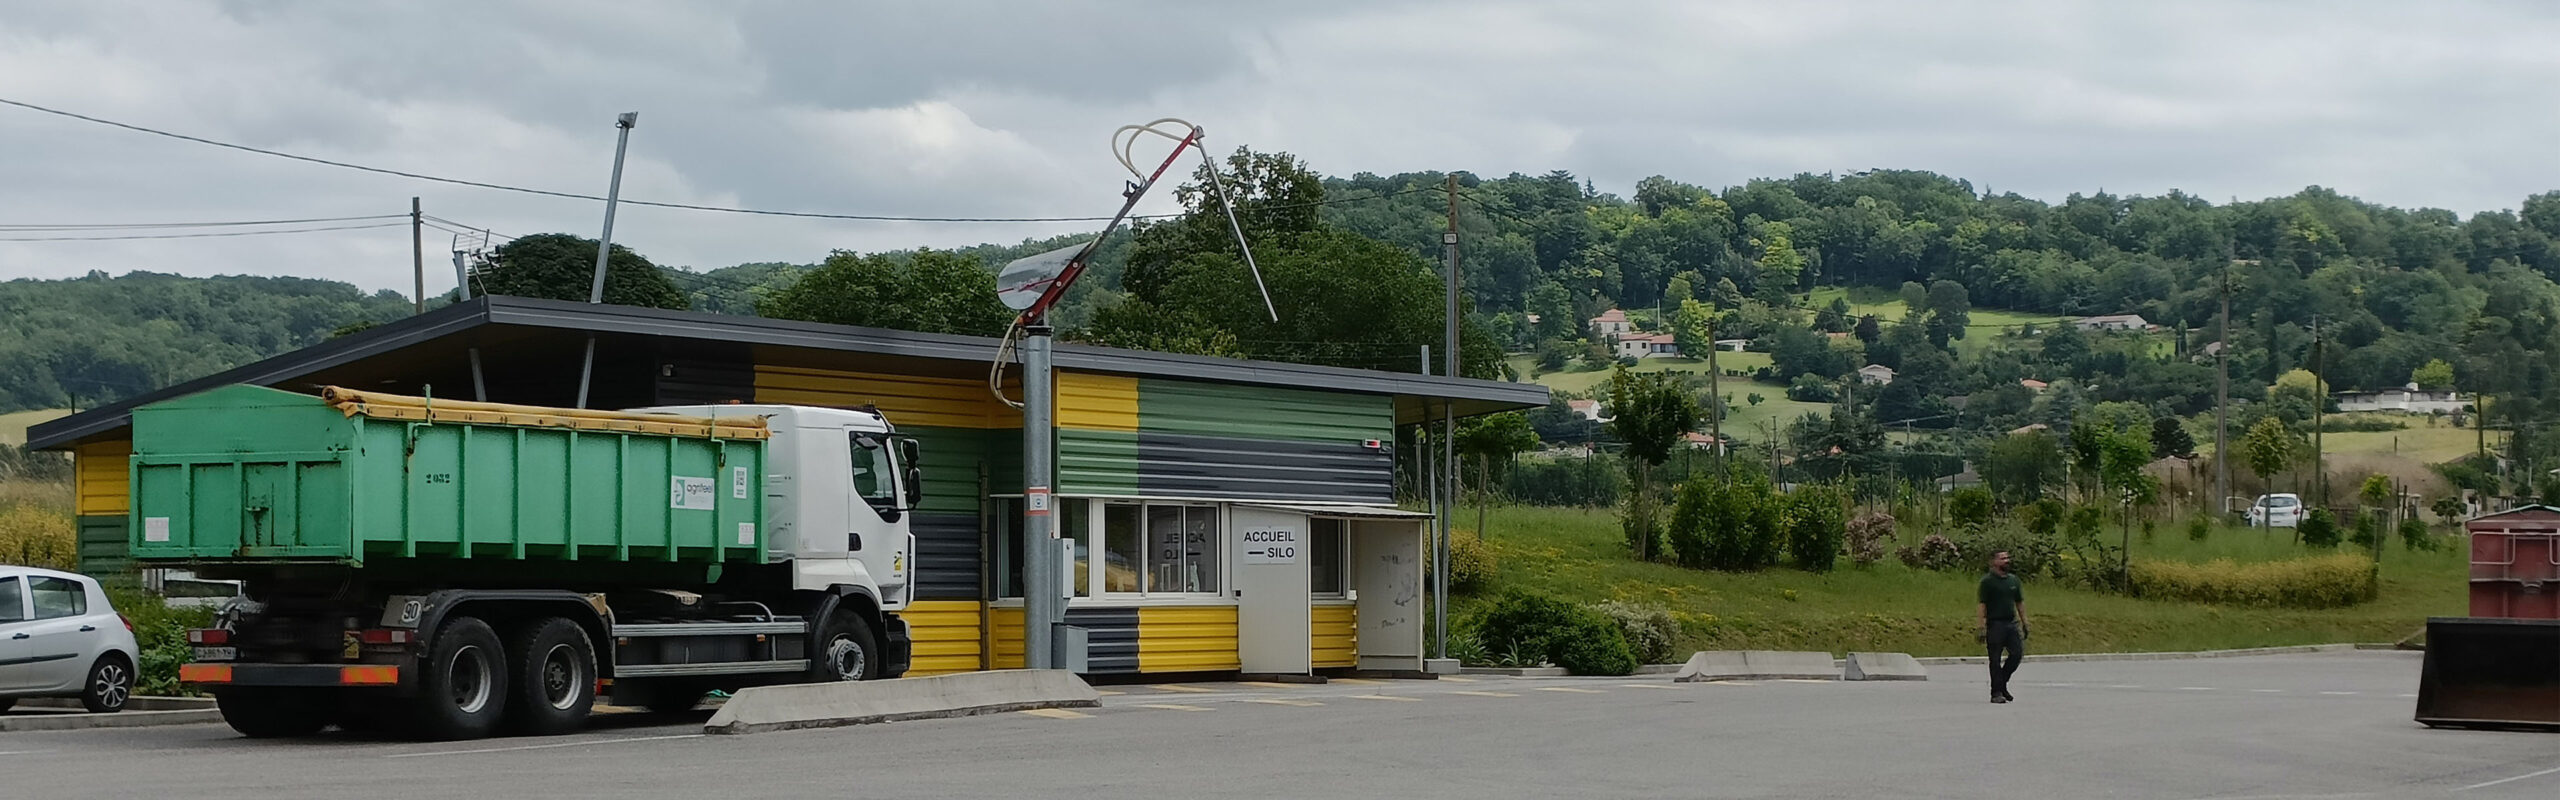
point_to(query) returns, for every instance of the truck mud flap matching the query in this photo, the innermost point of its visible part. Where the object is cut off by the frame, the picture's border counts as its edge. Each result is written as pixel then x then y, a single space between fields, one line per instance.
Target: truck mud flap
pixel 2485 672
pixel 899 649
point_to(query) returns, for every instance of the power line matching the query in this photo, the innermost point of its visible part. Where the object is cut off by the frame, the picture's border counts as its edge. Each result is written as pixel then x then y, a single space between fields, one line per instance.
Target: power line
pixel 576 196
pixel 112 226
pixel 198 235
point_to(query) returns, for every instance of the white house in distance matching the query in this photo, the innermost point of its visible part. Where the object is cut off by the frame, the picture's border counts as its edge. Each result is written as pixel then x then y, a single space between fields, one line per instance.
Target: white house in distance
pixel 1877 374
pixel 1589 409
pixel 1646 345
pixel 2409 399
pixel 2114 322
pixel 1610 325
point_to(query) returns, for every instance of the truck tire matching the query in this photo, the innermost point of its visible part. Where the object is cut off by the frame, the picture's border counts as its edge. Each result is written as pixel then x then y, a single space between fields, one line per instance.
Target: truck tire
pixel 552 666
pixel 267 712
pixel 462 685
pixel 845 650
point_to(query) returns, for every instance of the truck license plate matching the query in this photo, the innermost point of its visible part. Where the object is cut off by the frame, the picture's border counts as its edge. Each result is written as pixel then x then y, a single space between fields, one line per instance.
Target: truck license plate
pixel 217 653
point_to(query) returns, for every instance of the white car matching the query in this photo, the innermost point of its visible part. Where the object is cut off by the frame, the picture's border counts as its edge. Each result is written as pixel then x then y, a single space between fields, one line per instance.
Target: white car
pixel 2276 511
pixel 60 638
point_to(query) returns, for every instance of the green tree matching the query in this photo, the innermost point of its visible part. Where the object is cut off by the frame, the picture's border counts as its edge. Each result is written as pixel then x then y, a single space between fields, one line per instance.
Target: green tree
pixel 1693 328
pixel 1780 265
pixel 1491 438
pixel 2269 448
pixel 1652 412
pixel 2170 439
pixel 1950 310
pixel 2019 468
pixel 935 291
pixel 2433 376
pixel 560 266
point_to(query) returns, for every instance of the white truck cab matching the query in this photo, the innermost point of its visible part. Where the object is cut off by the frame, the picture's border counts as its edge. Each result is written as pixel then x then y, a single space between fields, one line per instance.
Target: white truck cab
pixel 840 486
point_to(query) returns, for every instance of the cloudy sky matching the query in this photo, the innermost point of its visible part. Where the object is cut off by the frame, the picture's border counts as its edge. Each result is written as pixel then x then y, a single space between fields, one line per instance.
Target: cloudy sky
pixel 1003 109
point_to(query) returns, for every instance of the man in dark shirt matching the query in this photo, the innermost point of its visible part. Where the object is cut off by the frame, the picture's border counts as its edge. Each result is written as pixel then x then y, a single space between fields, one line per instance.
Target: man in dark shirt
pixel 2001 610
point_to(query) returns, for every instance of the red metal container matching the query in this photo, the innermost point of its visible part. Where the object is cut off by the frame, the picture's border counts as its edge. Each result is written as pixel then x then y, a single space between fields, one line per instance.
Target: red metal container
pixel 2515 563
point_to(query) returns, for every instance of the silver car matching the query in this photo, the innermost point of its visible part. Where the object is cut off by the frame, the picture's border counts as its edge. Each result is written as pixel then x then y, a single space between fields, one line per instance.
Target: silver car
pixel 60 638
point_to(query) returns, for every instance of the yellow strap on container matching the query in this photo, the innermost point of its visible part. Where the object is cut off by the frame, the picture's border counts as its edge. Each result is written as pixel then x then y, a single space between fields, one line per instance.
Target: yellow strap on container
pixel 381 405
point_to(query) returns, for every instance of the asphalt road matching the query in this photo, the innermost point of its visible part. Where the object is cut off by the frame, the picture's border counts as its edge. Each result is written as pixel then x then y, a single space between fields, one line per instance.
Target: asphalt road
pixel 2328 725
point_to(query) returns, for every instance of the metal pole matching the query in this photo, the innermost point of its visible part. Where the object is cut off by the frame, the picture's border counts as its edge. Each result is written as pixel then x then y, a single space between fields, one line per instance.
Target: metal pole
pixel 2319 403
pixel 461 276
pixel 1448 438
pixel 418 252
pixel 604 246
pixel 1043 604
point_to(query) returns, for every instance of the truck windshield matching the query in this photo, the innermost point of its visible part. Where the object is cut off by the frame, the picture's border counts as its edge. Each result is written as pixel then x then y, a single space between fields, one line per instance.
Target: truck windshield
pixel 873 470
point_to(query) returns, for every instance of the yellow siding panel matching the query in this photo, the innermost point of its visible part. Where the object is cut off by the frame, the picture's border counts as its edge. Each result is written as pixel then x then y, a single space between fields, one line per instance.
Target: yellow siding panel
pixel 906 399
pixel 1187 639
pixel 101 478
pixel 947 636
pixel 1333 637
pixel 1097 402
pixel 1004 633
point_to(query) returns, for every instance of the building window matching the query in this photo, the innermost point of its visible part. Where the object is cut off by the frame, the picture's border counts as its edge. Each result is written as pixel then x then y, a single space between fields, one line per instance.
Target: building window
pixel 1074 527
pixel 1324 557
pixel 1124 549
pixel 1160 548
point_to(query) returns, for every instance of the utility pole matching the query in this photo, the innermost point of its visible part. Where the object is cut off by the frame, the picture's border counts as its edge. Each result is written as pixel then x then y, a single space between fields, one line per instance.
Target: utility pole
pixel 1715 394
pixel 604 245
pixel 418 253
pixel 2319 403
pixel 2222 396
pixel 1448 439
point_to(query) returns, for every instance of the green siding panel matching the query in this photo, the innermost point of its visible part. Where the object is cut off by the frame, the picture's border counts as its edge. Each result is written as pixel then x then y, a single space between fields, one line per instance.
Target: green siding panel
pixel 1252 412
pixel 952 459
pixel 1097 462
pixel 104 549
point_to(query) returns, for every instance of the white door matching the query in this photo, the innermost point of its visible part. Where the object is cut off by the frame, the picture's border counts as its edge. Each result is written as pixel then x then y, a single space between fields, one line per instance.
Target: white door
pixel 1272 620
pixel 1386 567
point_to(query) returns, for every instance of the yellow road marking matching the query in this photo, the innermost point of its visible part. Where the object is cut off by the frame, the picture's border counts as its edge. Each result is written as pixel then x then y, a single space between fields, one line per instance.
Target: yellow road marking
pixel 1360 681
pixel 1173 707
pixel 1484 694
pixel 1275 701
pixel 1176 687
pixel 1386 697
pixel 1056 713
pixel 1108 693
pixel 1270 684
pixel 1571 689
pixel 1456 679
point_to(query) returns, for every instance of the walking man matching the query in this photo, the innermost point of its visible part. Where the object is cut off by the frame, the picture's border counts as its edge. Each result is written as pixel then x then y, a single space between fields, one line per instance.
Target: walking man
pixel 2001 611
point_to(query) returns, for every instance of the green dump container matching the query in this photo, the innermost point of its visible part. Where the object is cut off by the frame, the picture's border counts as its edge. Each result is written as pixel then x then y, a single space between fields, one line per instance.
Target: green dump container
pixel 249 474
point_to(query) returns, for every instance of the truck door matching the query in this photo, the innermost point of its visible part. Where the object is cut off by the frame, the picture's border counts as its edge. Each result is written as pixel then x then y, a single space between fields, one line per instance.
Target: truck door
pixel 879 511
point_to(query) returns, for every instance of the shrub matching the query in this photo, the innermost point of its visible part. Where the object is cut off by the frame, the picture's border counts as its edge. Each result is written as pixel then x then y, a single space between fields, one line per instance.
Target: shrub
pixel 2318 529
pixel 1649 630
pixel 2030 555
pixel 1816 522
pixel 1868 535
pixel 161 631
pixel 2414 535
pixel 1933 553
pixel 1970 507
pixel 2328 581
pixel 2198 529
pixel 2368 531
pixel 2085 523
pixel 1729 524
pixel 2043 517
pixel 34 537
pixel 1689 510
pixel 1578 639
pixel 1471 562
pixel 1582 482
pixel 1640 520
pixel 2448 509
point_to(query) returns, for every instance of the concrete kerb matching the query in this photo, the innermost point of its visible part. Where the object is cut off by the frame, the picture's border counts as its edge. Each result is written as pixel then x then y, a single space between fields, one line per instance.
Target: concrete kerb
pixel 1882 667
pixel 76 721
pixel 1720 665
pixel 824 705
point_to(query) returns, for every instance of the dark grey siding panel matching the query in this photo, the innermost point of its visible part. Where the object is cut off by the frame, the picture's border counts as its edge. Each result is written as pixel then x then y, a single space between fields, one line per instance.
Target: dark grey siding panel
pixel 1263 469
pixel 712 380
pixel 946 556
pixel 1111 638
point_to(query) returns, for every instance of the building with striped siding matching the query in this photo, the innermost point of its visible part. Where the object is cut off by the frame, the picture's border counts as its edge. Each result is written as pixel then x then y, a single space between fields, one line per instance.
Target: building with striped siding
pixel 1168 466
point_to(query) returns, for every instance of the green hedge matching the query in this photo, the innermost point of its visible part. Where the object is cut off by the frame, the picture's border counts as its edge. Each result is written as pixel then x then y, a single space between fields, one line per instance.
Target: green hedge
pixel 2330 581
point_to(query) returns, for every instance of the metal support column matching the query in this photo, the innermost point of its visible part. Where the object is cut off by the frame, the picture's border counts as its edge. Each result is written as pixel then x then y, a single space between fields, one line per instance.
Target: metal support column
pixel 604 246
pixel 1043 601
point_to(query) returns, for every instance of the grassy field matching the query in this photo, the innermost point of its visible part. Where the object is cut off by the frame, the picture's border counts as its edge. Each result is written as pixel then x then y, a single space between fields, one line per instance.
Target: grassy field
pixel 1888 306
pixel 1580 381
pixel 13 425
pixel 1579 555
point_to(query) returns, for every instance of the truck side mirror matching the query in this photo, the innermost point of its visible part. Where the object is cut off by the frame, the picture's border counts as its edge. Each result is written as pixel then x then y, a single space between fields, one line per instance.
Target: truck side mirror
pixel 912 474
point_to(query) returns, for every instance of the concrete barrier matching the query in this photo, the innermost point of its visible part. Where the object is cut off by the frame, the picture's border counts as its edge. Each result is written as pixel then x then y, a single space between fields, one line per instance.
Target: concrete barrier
pixel 823 705
pixel 1725 665
pixel 1883 667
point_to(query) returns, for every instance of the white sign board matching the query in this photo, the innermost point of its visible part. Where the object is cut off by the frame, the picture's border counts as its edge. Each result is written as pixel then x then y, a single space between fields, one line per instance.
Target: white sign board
pixel 155 529
pixel 690 494
pixel 1270 546
pixel 738 482
pixel 1022 282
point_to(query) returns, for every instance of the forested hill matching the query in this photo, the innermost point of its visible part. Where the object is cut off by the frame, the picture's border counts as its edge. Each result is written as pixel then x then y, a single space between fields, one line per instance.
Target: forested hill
pixel 86 341
pixel 2394 288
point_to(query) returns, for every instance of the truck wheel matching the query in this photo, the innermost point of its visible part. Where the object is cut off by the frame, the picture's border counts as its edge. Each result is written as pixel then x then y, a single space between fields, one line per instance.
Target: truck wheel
pixel 109 685
pixel 462 687
pixel 262 712
pixel 845 651
pixel 552 666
